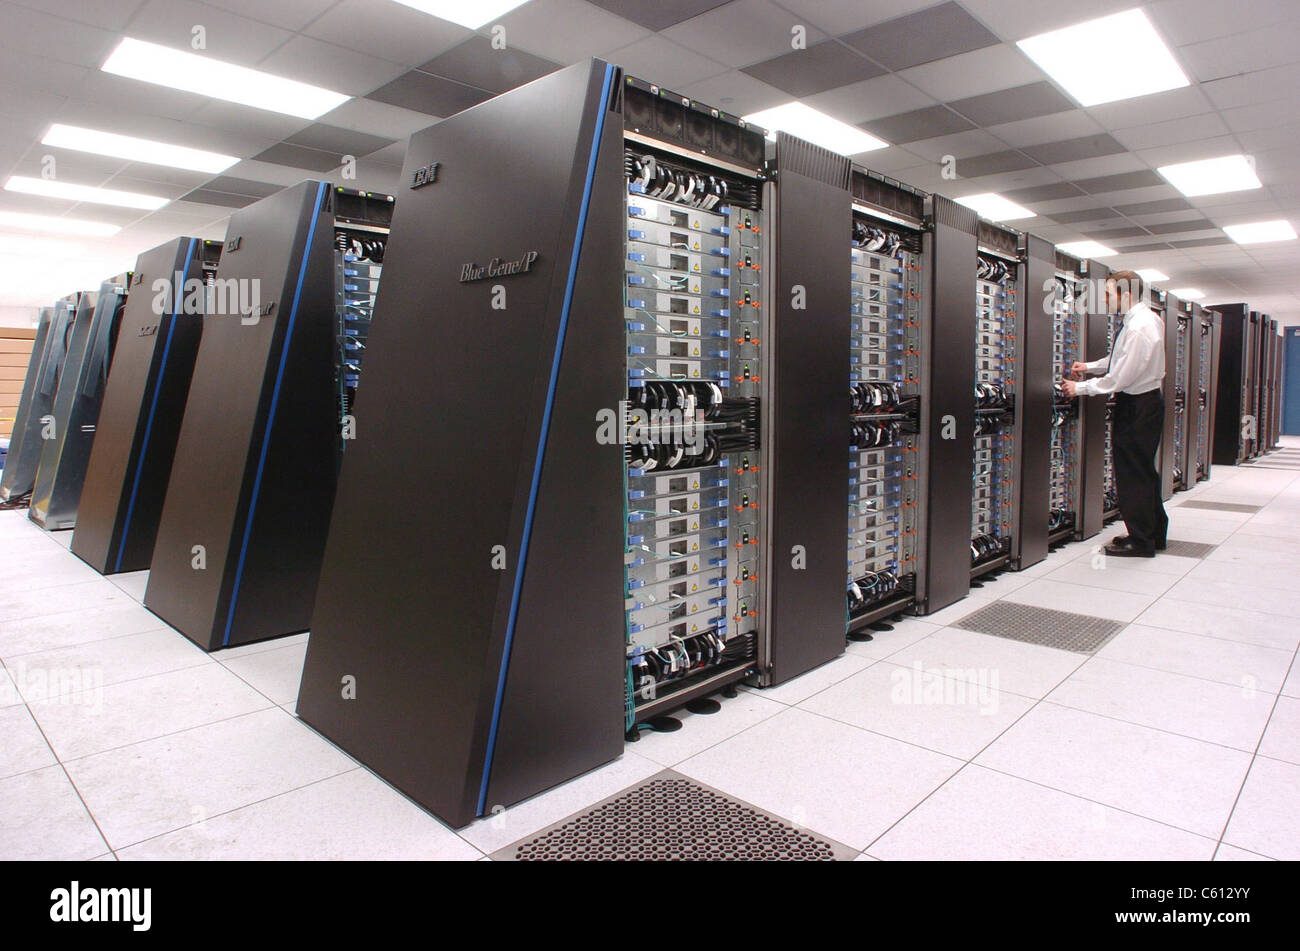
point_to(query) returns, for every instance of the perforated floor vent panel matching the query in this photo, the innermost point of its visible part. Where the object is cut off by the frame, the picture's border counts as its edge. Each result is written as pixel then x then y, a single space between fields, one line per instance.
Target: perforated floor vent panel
pixel 1188 549
pixel 1220 506
pixel 1024 622
pixel 672 818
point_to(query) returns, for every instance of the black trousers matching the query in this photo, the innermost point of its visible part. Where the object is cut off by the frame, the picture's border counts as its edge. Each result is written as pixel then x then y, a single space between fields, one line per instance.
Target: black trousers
pixel 1137 426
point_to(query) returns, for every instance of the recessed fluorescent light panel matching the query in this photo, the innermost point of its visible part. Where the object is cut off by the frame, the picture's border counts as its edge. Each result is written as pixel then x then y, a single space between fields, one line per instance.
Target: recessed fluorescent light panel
pixel 48 188
pixel 469 13
pixel 1188 293
pixel 21 222
pixel 1108 59
pixel 1258 232
pixel 136 150
pixel 1231 173
pixel 1152 274
pixel 816 127
pixel 206 76
pixel 1086 249
pixel 995 207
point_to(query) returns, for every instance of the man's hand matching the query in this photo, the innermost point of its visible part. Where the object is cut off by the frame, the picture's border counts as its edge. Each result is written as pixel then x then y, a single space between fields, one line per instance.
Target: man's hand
pixel 1078 370
pixel 1069 389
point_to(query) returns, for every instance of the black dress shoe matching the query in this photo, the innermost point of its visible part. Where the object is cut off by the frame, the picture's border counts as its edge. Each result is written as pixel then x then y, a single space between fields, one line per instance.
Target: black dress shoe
pixel 1128 551
pixel 1127 542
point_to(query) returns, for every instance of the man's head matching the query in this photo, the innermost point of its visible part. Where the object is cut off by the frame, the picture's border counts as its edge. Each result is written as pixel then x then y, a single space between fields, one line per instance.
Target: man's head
pixel 1123 290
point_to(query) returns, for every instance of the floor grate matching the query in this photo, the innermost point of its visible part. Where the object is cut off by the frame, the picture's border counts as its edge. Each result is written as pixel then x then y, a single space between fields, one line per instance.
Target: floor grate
pixel 672 818
pixel 1188 549
pixel 1045 626
pixel 1221 506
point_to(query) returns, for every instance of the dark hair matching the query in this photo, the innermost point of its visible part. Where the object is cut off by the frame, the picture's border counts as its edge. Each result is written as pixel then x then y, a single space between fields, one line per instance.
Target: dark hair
pixel 1129 281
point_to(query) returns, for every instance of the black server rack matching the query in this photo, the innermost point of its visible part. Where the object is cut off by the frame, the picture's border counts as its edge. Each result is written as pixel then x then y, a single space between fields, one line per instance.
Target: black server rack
pixel 144 402
pixel 1182 367
pixel 243 525
pixel 1011 481
pixel 24 438
pixel 807 360
pixel 1269 381
pixel 1207 376
pixel 1250 414
pixel 949 424
pixel 62 470
pixel 55 383
pixel 1236 373
pixel 889 381
pixel 1069 303
pixel 1110 496
pixel 1087 458
pixel 1276 387
pixel 65 343
pixel 614 530
pixel 1166 308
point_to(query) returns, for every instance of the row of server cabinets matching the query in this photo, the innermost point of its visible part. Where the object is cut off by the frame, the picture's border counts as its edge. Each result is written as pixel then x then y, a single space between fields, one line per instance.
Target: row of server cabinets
pixel 629 415
pixel 209 454
pixel 1248 415
pixel 633 416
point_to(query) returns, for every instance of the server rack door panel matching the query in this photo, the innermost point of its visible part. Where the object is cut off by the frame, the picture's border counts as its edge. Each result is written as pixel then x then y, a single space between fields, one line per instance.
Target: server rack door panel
pixel 1167 309
pixel 1096 426
pixel 1215 321
pixel 948 416
pixel 888 381
pixel 1250 389
pixel 59 483
pixel 255 491
pixel 63 380
pixel 1233 343
pixel 808 360
pixel 144 402
pixel 1034 410
pixel 1189 459
pixel 483 625
pixel 24 440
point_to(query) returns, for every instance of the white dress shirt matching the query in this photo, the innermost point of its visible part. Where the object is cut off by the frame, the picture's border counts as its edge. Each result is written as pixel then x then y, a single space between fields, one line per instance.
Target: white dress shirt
pixel 1137 358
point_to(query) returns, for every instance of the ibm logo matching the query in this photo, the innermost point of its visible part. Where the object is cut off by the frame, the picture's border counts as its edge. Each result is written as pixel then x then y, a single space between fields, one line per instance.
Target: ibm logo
pixel 425 176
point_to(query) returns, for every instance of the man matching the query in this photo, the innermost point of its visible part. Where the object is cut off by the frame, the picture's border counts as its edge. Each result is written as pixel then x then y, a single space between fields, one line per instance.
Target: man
pixel 1134 372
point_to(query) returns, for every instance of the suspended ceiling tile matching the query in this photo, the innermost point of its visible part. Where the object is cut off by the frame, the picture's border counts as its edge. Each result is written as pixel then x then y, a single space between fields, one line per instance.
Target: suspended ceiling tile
pixel 475 63
pixel 659 15
pixel 387 30
pixel 1120 182
pixel 1177 227
pixel 820 67
pixel 1072 150
pixel 870 99
pixel 567 31
pixel 1047 192
pixel 1262 115
pixel 922 37
pixel 1154 207
pixel 1188 129
pixel 1185 22
pixel 378 118
pixel 658 60
pixel 1263 48
pixel 993 163
pixel 234 39
pixel 289 14
pixel 993 69
pixel 431 95
pixel 295 156
pixel 743 32
pixel 328 138
pixel 23 29
pixel 926 123
pixel 1156 107
pixel 1096 213
pixel 735 92
pixel 1104 234
pixel 838 17
pixel 333 67
pixel 1265 85
pixel 960 146
pixel 1017 19
pixel 107 14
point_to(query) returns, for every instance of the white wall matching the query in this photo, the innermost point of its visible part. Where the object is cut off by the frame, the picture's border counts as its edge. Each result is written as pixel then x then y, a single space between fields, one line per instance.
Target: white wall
pixel 11 316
